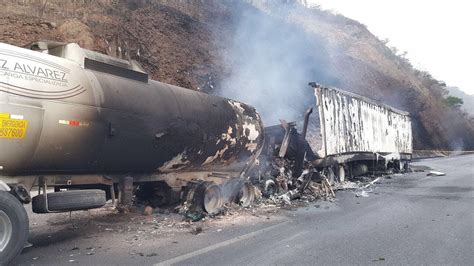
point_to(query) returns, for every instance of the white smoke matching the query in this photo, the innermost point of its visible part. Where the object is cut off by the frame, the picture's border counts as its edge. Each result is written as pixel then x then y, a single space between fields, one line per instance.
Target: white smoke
pixel 271 64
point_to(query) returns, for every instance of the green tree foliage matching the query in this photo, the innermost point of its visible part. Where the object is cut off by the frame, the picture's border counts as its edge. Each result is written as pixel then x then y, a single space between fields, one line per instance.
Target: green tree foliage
pixel 452 101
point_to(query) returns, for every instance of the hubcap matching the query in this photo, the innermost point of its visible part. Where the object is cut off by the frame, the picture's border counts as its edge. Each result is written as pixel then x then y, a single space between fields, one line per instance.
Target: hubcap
pixel 213 199
pixel 5 230
pixel 246 195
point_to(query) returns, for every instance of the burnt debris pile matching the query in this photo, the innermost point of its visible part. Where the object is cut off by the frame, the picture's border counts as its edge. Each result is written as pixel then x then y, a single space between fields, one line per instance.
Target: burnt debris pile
pixel 360 140
pixel 285 175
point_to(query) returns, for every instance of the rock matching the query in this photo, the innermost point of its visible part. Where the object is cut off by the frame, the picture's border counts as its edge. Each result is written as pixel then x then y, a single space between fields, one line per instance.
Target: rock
pixel 196 230
pixel 148 210
pixel 74 30
pixel 123 208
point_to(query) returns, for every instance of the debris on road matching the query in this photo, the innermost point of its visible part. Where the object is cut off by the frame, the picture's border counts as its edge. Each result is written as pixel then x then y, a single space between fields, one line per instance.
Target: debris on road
pixel 419 168
pixel 194 215
pixel 436 173
pixel 372 182
pixel 346 185
pixel 196 230
pixel 363 194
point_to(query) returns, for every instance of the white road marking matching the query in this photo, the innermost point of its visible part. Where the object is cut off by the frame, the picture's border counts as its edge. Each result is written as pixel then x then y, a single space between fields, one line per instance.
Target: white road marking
pixel 218 245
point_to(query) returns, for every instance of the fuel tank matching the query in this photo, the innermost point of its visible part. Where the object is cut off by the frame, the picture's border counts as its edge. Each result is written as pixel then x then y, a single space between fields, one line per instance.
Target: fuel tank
pixel 64 109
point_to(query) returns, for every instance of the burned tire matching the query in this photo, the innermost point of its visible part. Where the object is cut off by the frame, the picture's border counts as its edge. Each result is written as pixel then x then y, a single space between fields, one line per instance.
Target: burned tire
pixel 206 196
pixel 213 199
pixel 269 188
pixel 246 196
pixel 14 227
pixel 70 201
pixel 239 191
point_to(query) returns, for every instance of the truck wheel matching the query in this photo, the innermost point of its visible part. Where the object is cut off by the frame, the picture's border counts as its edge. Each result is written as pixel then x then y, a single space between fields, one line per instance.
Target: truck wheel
pixel 239 191
pixel 206 196
pixel 213 199
pixel 246 195
pixel 14 226
pixel 72 200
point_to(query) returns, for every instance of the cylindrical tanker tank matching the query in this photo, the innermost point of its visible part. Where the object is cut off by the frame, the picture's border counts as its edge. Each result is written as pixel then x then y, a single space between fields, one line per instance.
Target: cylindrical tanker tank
pixel 64 109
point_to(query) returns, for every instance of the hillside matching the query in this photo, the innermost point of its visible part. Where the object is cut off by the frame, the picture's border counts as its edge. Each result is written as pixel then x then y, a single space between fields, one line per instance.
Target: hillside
pixel 261 52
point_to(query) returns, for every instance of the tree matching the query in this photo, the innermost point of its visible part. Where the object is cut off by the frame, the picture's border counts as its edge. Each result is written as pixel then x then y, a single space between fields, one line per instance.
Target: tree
pixel 452 101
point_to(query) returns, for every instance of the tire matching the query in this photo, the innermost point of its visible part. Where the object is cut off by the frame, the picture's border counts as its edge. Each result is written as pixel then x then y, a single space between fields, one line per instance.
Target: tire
pixel 246 195
pixel 14 226
pixel 70 201
pixel 206 196
pixel 213 199
pixel 239 191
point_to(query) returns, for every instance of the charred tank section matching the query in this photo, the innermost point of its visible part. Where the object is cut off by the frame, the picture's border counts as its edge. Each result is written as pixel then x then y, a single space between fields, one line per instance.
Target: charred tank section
pixel 65 109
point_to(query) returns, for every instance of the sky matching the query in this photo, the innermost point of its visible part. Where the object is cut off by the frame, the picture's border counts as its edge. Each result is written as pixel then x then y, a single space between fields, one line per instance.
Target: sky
pixel 436 34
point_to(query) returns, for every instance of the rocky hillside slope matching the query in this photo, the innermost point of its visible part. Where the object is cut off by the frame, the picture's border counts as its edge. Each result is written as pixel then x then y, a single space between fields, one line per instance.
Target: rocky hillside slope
pixel 261 52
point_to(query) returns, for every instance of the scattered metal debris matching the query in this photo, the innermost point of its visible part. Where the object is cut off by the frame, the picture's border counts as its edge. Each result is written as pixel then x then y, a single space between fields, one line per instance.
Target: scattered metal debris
pixel 436 173
pixel 194 215
pixel 363 194
pixel 372 182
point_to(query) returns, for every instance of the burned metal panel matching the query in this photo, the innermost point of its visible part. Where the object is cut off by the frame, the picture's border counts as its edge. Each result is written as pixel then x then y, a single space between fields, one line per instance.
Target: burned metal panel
pixel 351 123
pixel 314 136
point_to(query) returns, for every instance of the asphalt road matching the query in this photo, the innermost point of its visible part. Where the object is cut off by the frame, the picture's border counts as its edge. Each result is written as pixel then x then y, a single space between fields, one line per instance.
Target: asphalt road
pixel 408 219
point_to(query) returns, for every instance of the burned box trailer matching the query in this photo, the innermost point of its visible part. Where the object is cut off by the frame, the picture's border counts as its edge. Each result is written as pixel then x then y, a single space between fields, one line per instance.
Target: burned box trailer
pixel 348 136
pixel 355 129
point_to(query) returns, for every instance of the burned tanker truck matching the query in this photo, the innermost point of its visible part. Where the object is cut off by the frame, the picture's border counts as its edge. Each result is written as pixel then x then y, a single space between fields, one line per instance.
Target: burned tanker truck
pixel 78 128
pixel 83 123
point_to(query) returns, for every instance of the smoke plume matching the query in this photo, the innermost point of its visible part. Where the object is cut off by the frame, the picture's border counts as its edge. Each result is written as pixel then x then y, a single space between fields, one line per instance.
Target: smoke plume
pixel 271 62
